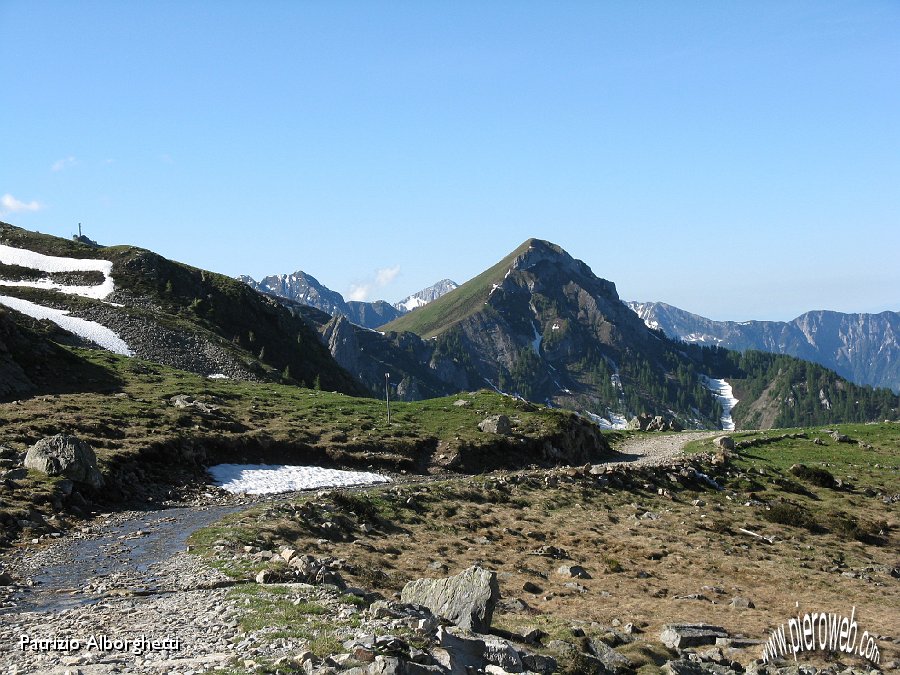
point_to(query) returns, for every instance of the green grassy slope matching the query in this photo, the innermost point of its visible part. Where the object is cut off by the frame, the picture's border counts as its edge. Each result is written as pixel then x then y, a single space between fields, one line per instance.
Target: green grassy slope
pixel 439 315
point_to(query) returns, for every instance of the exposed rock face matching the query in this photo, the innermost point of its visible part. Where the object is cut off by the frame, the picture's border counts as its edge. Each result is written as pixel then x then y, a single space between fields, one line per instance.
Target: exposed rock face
pixel 653 423
pixel 496 424
pixel 68 456
pixel 340 338
pixel 371 314
pixel 467 599
pixel 303 288
pixel 368 355
pixel 864 348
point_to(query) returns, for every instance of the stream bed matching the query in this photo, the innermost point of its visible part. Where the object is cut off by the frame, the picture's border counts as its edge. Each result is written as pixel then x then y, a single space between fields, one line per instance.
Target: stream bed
pixel 82 570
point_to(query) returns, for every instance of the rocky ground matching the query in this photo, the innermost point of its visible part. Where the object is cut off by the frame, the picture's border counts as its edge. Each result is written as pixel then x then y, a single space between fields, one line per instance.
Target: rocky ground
pixel 308 610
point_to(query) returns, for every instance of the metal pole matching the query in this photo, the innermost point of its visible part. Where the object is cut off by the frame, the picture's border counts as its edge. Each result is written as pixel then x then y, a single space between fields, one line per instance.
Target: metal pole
pixel 387 394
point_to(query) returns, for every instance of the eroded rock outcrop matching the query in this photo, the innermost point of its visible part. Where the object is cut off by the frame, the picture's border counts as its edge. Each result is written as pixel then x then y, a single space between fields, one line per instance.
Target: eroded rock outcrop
pixel 466 599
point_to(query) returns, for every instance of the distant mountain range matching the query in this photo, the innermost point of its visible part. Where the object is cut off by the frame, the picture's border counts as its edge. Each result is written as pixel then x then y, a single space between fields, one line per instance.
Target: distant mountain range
pixel 307 290
pixel 864 348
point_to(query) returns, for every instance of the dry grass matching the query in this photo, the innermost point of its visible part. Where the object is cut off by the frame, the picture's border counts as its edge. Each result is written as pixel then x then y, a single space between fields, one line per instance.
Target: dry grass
pixel 653 559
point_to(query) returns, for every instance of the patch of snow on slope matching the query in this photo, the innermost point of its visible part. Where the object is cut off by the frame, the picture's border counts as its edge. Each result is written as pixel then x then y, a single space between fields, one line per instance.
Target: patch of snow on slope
pixel 724 394
pixel 89 330
pixel 538 338
pixel 260 479
pixel 50 264
pixel 701 337
pixel 413 303
pixel 611 421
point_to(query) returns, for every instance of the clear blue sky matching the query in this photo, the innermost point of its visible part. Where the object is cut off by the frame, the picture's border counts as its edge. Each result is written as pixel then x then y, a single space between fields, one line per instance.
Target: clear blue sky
pixel 737 159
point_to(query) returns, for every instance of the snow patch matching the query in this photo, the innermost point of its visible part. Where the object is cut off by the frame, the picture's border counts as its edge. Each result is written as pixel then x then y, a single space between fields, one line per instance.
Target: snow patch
pixel 701 337
pixel 724 394
pixel 218 376
pixel 261 479
pixel 611 421
pixel 412 303
pixel 89 330
pixel 538 338
pixel 50 264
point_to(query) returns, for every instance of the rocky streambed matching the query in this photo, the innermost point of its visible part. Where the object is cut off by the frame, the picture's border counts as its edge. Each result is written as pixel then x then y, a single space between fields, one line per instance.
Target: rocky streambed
pixel 95 600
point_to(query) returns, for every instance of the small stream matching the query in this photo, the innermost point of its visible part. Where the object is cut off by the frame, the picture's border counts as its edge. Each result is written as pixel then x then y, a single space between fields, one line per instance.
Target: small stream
pixel 123 556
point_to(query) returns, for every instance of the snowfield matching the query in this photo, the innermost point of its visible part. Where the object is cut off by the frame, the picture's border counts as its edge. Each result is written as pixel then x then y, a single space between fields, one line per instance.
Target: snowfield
pixel 413 303
pixel 89 330
pixel 261 479
pixel 50 264
pixel 611 421
pixel 723 392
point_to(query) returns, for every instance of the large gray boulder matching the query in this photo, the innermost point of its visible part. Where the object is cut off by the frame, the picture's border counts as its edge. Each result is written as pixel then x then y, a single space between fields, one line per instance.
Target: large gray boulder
pixel 724 442
pixel 496 424
pixel 64 455
pixel 467 599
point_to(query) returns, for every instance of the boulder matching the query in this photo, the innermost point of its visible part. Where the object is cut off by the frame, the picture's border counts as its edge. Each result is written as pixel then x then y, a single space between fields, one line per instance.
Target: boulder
pixel 724 442
pixel 658 423
pixel 645 422
pixel 466 599
pixel 496 424
pixel 64 455
pixel 573 572
pixel 458 653
pixel 681 636
pixel 612 661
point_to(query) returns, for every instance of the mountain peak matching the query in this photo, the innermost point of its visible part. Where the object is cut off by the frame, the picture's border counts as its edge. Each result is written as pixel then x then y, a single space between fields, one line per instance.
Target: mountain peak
pixel 426 295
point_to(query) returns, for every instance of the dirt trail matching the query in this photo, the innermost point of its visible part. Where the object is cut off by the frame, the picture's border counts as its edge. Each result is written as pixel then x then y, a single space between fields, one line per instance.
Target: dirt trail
pixel 654 449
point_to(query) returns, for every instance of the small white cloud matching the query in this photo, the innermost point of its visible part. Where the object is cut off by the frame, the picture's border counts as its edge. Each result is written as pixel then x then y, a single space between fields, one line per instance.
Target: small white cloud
pixel 9 204
pixel 63 163
pixel 386 275
pixel 359 292
pixel 382 277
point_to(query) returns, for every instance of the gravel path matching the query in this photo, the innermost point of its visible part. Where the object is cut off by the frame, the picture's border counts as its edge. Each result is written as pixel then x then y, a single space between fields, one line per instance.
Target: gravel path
pixel 654 449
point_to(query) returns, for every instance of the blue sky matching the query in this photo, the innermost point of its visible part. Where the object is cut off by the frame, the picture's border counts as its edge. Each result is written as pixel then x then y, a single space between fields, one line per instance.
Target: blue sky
pixel 739 160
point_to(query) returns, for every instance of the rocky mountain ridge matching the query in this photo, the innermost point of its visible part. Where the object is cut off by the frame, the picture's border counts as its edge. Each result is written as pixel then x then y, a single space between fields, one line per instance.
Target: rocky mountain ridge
pixel 540 324
pixel 153 308
pixel 426 295
pixel 306 289
pixel 864 348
